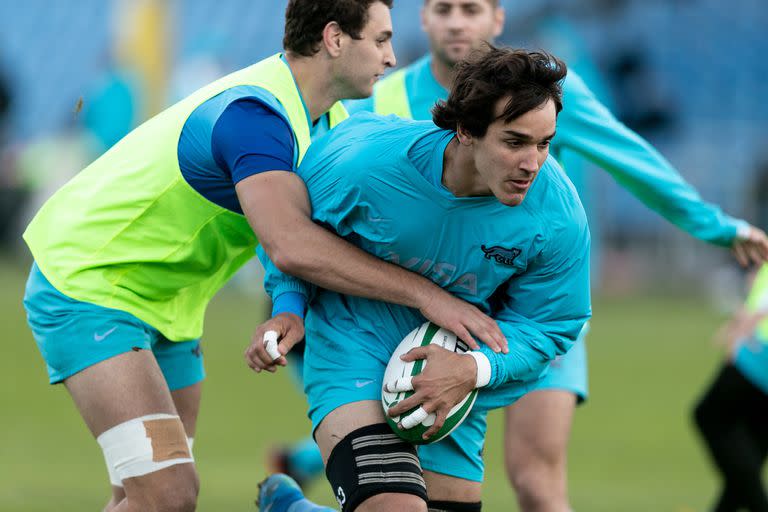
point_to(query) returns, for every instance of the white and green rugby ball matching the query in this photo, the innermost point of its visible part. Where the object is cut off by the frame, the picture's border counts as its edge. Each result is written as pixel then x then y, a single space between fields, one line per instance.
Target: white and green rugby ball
pixel 396 368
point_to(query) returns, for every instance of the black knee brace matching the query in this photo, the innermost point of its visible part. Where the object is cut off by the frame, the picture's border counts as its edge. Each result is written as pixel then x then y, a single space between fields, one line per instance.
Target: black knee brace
pixel 453 506
pixel 373 460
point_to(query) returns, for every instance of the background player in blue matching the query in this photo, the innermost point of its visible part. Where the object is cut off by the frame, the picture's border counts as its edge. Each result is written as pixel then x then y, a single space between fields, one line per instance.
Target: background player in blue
pixel 443 199
pixel 732 416
pixel 538 426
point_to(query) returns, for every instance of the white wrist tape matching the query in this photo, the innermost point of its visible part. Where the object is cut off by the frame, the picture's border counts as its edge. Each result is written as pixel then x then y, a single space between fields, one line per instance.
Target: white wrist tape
pixel 483 368
pixel 144 445
pixel 743 230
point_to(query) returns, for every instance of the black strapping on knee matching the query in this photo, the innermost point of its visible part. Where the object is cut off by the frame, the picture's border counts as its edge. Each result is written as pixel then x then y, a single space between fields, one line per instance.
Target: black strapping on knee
pixel 453 506
pixel 373 460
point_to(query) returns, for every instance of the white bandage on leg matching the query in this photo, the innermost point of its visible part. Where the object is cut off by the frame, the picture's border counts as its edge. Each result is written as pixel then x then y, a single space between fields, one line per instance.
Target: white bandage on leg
pixel 144 445
pixel 114 480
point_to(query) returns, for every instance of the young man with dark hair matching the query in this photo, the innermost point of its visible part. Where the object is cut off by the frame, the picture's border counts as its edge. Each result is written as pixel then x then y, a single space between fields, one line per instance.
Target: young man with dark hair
pixel 129 253
pixel 437 197
pixel 538 426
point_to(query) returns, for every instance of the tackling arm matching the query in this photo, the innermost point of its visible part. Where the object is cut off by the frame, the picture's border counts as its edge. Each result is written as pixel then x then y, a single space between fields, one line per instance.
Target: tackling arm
pixel 277 207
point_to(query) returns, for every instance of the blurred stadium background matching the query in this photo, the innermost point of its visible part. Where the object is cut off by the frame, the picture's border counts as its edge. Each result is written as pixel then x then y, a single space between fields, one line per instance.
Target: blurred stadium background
pixel 687 74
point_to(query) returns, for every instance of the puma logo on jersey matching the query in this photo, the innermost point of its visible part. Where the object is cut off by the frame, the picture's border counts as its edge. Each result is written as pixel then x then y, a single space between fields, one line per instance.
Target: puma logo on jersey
pixel 501 254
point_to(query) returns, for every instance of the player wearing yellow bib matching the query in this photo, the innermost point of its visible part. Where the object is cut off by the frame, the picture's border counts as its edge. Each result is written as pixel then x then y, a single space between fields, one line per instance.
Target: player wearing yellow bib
pixel 732 416
pixel 129 253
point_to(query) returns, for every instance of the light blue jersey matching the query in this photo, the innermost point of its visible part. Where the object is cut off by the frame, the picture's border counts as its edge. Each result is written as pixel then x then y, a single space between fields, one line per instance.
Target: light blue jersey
pixel 377 182
pixel 587 129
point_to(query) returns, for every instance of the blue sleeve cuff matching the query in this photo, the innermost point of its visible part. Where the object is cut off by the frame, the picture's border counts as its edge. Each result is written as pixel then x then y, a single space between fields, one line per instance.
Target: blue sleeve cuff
pixel 290 302
pixel 511 367
pixel 290 284
pixel 497 366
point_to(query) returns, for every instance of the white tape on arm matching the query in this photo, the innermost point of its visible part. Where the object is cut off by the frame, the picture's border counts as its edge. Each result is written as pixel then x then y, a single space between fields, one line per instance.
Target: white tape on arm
pixel 270 343
pixel 483 368
pixel 743 231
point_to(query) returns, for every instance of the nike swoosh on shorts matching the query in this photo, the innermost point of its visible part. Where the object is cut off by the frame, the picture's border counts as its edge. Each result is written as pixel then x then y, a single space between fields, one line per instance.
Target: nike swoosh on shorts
pixel 100 337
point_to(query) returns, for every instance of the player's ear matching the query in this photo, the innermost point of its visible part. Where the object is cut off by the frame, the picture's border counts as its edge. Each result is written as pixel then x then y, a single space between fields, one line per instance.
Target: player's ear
pixel 499 15
pixel 465 138
pixel 332 38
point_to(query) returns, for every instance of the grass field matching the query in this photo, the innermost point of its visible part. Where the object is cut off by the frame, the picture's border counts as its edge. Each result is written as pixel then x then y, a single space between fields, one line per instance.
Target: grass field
pixel 633 447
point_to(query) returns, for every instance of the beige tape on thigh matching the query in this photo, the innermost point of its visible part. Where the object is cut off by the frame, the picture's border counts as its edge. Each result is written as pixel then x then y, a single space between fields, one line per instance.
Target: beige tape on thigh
pixel 144 445
pixel 168 439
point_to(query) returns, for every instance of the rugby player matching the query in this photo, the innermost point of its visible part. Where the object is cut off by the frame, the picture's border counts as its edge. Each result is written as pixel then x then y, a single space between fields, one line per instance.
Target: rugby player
pixel 129 253
pixel 732 414
pixel 474 203
pixel 538 426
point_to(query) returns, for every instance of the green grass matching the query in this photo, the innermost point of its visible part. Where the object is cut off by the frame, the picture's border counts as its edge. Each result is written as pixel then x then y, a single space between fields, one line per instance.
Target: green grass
pixel 633 448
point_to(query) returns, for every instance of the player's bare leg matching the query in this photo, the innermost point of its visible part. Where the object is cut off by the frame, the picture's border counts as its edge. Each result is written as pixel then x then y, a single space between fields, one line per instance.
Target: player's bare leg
pixel 538 427
pixel 120 389
pixel 187 403
pixel 346 419
pixel 448 489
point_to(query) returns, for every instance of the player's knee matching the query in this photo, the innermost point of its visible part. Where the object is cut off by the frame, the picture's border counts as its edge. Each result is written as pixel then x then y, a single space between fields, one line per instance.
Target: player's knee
pixel 540 487
pixel 371 462
pixel 172 490
pixel 529 469
pixel 531 494
pixel 178 499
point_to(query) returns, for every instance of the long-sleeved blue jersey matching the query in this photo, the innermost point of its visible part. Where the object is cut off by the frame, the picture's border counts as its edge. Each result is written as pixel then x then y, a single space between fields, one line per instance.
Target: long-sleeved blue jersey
pixel 376 181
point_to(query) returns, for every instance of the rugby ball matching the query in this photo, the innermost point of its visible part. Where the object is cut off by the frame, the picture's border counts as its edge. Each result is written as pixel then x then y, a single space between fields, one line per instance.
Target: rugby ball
pixel 396 368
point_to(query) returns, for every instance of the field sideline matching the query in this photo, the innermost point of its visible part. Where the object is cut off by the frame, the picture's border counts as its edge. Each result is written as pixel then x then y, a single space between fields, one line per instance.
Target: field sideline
pixel 633 447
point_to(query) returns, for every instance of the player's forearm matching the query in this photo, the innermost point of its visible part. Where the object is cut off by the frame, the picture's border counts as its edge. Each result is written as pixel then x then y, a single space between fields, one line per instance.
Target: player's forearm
pixel 277 207
pixel 644 172
pixel 316 255
pixel 530 353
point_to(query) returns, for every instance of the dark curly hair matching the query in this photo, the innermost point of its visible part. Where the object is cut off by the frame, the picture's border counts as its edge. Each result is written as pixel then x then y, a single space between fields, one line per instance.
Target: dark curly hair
pixel 306 19
pixel 489 74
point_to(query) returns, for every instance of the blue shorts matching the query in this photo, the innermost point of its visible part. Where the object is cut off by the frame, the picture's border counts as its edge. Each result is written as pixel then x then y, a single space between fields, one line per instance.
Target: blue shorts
pixel 568 372
pixel 73 335
pixel 460 455
pixel 344 362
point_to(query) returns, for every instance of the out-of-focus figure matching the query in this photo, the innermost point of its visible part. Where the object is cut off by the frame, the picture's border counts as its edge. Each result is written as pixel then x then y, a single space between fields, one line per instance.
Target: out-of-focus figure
pixel 732 416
